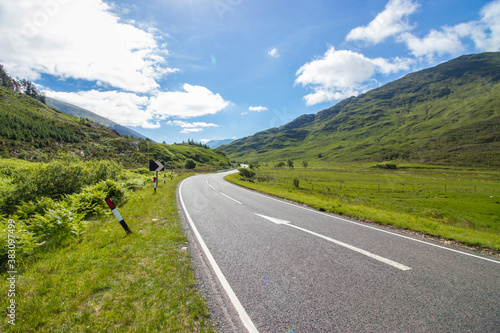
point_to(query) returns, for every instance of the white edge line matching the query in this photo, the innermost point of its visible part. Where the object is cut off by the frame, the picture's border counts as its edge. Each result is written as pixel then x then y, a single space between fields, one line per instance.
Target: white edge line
pixel 227 196
pixel 353 248
pixel 370 227
pixel 249 325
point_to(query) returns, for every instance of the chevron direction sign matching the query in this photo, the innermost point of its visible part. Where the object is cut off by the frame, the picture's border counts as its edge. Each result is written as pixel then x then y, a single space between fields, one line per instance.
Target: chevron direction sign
pixel 155 166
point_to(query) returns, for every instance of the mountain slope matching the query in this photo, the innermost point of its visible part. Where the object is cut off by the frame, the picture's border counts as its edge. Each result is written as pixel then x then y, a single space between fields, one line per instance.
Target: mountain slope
pixel 217 143
pixel 448 114
pixel 83 113
pixel 33 131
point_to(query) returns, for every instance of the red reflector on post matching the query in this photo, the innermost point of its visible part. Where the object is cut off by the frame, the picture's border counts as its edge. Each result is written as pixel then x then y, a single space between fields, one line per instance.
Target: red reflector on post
pixel 110 204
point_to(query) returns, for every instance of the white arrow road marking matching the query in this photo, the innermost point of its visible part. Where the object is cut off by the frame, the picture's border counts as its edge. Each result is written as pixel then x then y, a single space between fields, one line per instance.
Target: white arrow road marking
pixel 273 219
pixel 350 247
pixel 227 196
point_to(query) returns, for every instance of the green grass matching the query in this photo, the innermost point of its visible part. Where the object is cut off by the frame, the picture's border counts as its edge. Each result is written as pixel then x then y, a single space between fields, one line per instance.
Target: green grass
pixel 454 203
pixel 110 282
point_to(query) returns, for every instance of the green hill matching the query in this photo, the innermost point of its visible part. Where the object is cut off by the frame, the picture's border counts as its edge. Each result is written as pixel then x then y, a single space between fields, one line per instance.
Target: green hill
pixel 83 113
pixel 33 131
pixel 448 114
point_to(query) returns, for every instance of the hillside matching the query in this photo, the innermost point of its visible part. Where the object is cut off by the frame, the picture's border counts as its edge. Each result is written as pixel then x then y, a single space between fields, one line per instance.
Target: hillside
pixel 448 114
pixel 33 131
pixel 83 113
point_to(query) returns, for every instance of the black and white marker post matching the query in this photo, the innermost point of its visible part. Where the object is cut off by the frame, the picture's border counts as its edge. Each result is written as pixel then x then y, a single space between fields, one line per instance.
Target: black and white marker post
pixel 118 216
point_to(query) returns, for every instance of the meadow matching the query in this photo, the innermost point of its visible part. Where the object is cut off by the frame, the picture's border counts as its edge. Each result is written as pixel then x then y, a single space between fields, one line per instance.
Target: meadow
pixel 453 203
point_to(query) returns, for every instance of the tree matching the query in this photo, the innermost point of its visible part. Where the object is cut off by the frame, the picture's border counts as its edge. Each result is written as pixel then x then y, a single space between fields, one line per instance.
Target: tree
pixel 305 164
pixel 290 163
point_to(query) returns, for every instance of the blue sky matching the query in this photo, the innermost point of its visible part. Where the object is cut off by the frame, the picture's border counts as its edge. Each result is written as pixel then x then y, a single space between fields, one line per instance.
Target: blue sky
pixel 217 69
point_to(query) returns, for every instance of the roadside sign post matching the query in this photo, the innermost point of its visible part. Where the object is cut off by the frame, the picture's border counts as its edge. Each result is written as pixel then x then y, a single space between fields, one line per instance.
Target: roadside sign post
pixel 155 166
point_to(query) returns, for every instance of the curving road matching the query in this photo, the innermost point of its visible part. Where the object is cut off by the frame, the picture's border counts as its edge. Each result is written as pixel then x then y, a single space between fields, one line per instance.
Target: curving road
pixel 270 266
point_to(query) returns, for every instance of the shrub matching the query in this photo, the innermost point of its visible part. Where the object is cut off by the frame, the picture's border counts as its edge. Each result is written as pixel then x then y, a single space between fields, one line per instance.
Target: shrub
pixel 56 224
pixel 246 173
pixel 63 176
pixel 390 166
pixel 189 164
pixel 296 183
pixel 91 200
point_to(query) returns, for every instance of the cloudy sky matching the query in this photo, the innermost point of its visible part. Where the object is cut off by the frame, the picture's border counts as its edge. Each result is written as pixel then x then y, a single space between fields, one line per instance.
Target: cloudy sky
pixel 217 69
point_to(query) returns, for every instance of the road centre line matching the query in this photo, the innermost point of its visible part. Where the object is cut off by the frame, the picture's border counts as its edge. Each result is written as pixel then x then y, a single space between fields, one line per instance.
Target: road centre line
pixel 353 248
pixel 247 322
pixel 227 196
pixel 370 227
pixel 350 247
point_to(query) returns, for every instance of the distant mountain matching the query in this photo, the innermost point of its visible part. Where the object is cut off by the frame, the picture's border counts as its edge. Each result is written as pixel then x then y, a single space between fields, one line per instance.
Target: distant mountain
pixel 83 113
pixel 33 131
pixel 217 143
pixel 448 114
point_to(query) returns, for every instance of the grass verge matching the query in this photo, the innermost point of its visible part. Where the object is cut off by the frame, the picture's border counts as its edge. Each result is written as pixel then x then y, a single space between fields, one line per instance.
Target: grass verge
pixel 453 203
pixel 109 282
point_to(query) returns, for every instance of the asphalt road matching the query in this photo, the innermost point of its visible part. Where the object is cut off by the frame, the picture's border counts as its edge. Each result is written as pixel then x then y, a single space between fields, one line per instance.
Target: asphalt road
pixel 270 266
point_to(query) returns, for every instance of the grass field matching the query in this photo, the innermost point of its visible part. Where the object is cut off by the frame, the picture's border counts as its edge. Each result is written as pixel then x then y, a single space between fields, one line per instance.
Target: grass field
pixel 454 203
pixel 110 282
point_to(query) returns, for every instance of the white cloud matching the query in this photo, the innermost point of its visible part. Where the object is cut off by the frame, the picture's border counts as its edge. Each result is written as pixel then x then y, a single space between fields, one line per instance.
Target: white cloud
pixel 257 108
pixel 191 130
pixel 343 73
pixel 194 101
pixel 130 109
pixel 184 124
pixel 489 38
pixel 390 22
pixel 485 34
pixel 436 42
pixel 80 40
pixel 191 127
pixel 274 53
pixel 127 109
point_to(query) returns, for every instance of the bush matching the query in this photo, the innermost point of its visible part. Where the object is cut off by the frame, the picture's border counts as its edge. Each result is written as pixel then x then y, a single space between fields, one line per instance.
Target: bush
pixel 64 176
pixel 91 200
pixel 390 166
pixel 246 173
pixel 56 224
pixel 190 164
pixel 280 164
pixel 296 183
